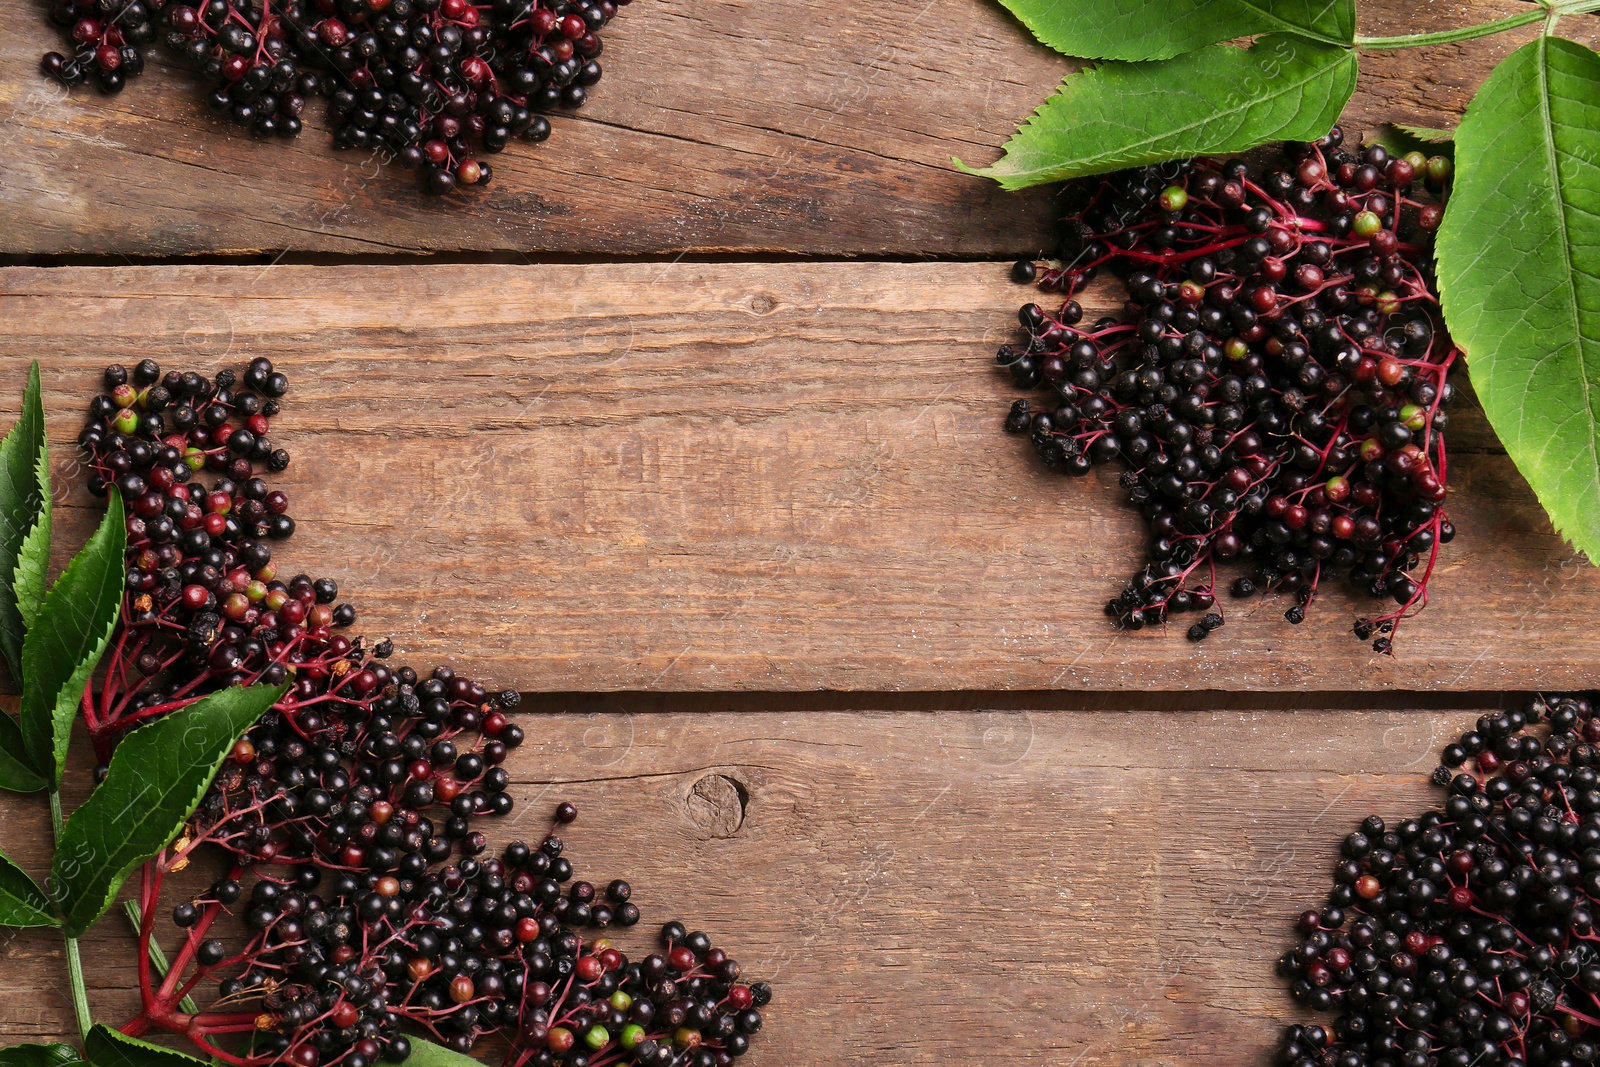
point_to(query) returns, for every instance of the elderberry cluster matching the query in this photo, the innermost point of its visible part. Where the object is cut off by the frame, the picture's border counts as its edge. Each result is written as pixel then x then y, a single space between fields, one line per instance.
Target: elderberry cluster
pixel 339 957
pixel 1467 936
pixel 1274 384
pixel 345 782
pixel 349 813
pixel 430 83
pixel 204 606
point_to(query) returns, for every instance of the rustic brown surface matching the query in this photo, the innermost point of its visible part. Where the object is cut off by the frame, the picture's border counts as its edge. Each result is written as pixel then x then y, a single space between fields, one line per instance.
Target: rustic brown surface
pixel 711 480
pixel 942 886
pixel 720 125
pixel 724 477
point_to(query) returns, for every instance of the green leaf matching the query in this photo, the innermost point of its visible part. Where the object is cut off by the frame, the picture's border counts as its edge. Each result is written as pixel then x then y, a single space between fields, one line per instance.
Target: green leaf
pixel 52 1055
pixel 1221 99
pixel 110 1048
pixel 66 640
pixel 1519 271
pixel 33 562
pixel 428 1054
pixel 16 770
pixel 24 490
pixel 22 902
pixel 1399 140
pixel 1160 29
pixel 1427 134
pixel 158 774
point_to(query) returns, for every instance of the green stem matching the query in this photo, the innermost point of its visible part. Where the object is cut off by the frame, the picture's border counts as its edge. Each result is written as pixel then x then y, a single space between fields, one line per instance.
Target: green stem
pixel 1547 12
pixel 1465 33
pixel 158 958
pixel 80 992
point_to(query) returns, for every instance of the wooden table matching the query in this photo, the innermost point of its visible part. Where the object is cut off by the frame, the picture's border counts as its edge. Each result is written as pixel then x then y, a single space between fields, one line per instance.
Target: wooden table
pixel 686 427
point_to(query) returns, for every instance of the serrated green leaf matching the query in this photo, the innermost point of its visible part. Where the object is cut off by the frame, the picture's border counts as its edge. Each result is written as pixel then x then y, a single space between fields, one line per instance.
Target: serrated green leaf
pixel 1161 29
pixel 428 1054
pixel 52 1055
pixel 16 770
pixel 1519 271
pixel 110 1048
pixel 1400 140
pixel 66 640
pixel 1427 134
pixel 22 902
pixel 1218 100
pixel 158 774
pixel 33 559
pixel 22 494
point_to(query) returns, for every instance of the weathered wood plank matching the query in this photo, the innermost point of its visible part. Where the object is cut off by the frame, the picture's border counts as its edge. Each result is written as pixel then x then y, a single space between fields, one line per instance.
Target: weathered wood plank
pixel 722 477
pixel 720 125
pixel 935 887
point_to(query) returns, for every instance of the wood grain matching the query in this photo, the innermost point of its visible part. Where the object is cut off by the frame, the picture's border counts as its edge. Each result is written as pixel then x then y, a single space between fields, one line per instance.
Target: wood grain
pixel 941 886
pixel 741 477
pixel 721 125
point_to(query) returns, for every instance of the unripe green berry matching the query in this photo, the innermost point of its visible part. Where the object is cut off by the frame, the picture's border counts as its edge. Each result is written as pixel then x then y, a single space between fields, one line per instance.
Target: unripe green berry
pixel 1366 224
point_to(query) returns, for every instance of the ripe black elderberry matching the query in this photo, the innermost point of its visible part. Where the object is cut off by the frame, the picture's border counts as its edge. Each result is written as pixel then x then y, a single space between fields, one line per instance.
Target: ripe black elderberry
pixel 1466 936
pixel 430 83
pixel 1274 385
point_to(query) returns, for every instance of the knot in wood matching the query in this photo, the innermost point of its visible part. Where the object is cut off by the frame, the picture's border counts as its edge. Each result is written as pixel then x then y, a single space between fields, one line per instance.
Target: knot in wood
pixel 717 805
pixel 1000 738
